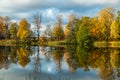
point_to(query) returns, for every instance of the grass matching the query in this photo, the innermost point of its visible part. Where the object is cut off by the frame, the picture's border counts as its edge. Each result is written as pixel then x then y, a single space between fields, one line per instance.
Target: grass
pixel 49 43
pixel 11 43
pixel 57 43
pixel 112 44
pixel 7 42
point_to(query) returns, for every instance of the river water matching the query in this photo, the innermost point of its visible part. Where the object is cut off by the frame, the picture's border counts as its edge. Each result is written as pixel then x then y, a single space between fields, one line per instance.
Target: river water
pixel 58 63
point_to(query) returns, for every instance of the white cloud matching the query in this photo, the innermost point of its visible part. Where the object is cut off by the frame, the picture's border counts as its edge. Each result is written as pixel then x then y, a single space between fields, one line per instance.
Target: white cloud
pixel 93 2
pixel 50 9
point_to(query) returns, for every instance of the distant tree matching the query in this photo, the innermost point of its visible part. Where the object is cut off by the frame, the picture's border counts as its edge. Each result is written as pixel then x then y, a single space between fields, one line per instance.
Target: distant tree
pixel 58 32
pixel 13 30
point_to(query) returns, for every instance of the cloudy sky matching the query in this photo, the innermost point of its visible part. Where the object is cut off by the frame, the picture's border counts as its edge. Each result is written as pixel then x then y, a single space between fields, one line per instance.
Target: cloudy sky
pixel 18 9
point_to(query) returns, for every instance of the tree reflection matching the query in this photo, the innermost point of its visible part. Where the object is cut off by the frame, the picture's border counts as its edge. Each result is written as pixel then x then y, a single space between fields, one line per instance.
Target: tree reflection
pixel 13 54
pixel 105 68
pixel 70 58
pixel 4 61
pixel 57 56
pixel 46 51
pixel 23 56
pixel 115 60
pixel 104 60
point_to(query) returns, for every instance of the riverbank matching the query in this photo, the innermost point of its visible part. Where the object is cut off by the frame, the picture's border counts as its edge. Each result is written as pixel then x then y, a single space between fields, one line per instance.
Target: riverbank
pixel 22 43
pixel 99 44
pixel 111 44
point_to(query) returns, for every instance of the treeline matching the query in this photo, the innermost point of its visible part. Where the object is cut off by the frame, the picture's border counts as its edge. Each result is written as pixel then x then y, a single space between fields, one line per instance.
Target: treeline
pixel 9 30
pixel 83 30
pixel 103 27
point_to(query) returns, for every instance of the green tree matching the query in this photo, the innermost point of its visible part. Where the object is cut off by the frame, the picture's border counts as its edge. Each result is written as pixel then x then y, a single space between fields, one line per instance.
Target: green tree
pixel 13 30
pixel 83 36
pixel 71 29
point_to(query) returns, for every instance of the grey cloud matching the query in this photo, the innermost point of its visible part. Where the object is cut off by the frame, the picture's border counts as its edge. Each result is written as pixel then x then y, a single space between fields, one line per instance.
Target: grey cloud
pixel 19 9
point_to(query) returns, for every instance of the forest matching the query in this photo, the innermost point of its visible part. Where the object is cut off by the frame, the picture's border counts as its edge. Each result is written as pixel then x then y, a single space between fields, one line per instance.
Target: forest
pixel 83 30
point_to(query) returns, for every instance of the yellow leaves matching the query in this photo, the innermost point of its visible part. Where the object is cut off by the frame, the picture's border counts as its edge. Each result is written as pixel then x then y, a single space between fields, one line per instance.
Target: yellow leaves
pixel 106 15
pixel 66 32
pixel 94 30
pixel 114 58
pixel 23 23
pixel 58 32
pixel 23 57
pixel 23 29
pixel 22 34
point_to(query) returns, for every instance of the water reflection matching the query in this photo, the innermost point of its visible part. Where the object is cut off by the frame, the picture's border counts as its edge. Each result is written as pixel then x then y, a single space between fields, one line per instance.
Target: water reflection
pixel 58 63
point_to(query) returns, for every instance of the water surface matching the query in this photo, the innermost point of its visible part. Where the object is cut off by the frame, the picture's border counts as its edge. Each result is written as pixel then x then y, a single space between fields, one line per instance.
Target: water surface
pixel 57 63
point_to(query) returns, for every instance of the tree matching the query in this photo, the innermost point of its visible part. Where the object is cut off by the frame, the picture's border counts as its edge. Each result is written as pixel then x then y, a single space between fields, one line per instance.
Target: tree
pixel 83 36
pixel 6 25
pixel 71 29
pixel 58 32
pixel 94 28
pixel 24 31
pixel 115 27
pixel 48 31
pixel 106 17
pixel 57 56
pixel 13 30
pixel 37 22
pixel 1 28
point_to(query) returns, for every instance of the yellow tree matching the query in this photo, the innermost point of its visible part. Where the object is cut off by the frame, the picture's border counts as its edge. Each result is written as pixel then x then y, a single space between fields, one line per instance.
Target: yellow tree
pixel 106 16
pixel 71 17
pixel 58 32
pixel 94 28
pixel 24 29
pixel 114 30
pixel 115 27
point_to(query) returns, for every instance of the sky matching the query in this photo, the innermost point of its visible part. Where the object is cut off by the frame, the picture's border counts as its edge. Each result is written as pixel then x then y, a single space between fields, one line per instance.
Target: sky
pixel 50 9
